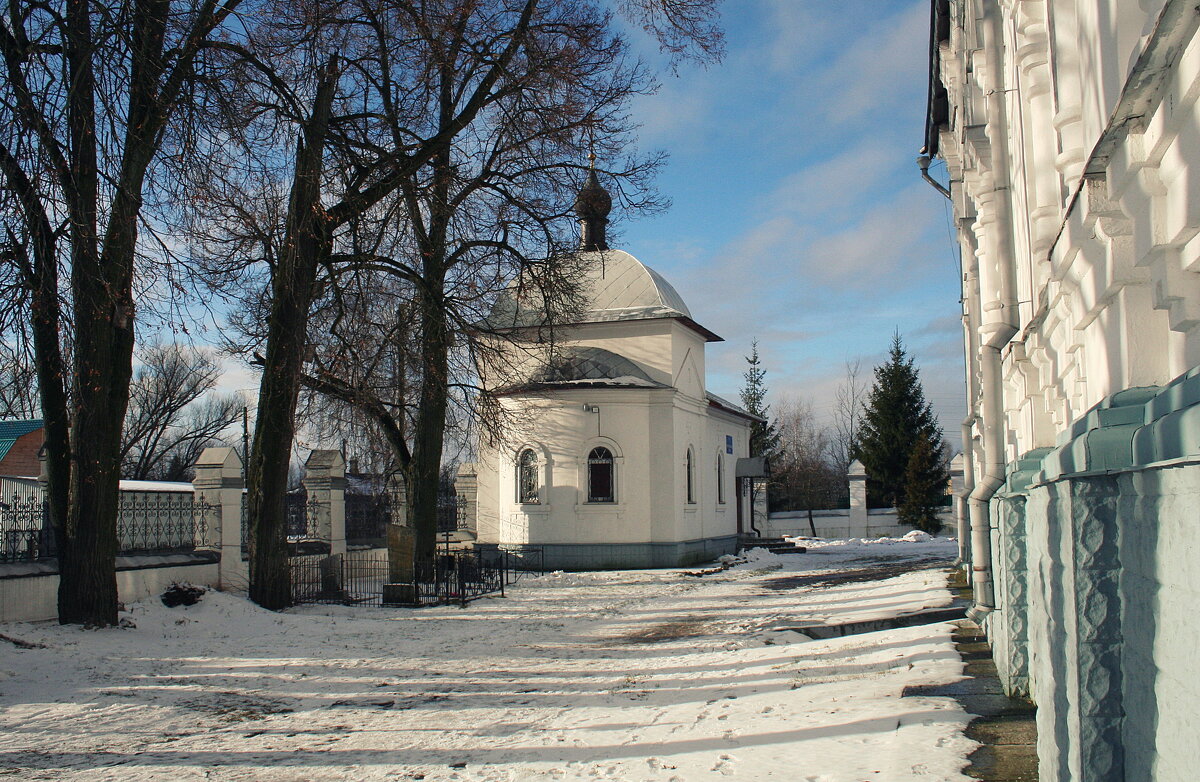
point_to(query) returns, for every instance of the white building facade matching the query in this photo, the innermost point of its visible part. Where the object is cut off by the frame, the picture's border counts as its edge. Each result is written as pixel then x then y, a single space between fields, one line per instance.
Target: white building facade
pixel 1070 130
pixel 616 455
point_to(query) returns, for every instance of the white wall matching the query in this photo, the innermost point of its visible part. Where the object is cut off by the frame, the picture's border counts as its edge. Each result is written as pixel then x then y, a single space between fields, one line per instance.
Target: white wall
pixel 881 523
pixel 35 598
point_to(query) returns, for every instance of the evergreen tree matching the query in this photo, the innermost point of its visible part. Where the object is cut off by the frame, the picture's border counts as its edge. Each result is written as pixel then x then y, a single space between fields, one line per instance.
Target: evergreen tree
pixel 924 488
pixel 764 439
pixel 896 420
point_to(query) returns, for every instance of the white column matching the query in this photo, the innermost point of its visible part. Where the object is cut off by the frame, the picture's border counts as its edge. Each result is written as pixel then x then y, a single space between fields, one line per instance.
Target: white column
pixel 219 484
pixel 325 482
pixel 857 475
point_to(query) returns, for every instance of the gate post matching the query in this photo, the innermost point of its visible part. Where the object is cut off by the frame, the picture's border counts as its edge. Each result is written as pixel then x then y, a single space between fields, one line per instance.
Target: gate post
pixel 219 484
pixel 859 517
pixel 325 482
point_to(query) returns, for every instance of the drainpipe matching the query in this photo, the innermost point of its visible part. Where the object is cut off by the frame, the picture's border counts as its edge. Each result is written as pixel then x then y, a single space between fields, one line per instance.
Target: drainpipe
pixel 969 267
pixel 998 315
pixel 923 162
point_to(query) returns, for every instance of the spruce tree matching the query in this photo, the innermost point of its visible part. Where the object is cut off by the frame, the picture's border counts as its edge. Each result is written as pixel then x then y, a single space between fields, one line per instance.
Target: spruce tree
pixel 896 419
pixel 764 439
pixel 924 488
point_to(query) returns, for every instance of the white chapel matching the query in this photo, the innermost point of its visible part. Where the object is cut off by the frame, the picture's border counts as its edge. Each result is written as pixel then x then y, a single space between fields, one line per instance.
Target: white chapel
pixel 619 457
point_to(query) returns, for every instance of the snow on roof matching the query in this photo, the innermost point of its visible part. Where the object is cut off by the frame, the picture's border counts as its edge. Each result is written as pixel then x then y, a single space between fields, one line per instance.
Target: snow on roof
pixel 589 367
pixel 619 287
pixel 728 406
pixel 622 284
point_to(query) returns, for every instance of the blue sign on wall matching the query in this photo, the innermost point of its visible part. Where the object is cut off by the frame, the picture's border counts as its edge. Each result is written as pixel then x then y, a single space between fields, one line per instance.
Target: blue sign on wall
pixel 728 443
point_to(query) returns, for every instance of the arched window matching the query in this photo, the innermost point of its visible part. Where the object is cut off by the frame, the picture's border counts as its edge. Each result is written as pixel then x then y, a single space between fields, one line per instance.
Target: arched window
pixel 527 477
pixel 691 476
pixel 601 483
pixel 720 478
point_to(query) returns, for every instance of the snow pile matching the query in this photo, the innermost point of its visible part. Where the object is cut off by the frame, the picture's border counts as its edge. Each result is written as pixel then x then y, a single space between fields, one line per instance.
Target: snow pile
pixel 758 558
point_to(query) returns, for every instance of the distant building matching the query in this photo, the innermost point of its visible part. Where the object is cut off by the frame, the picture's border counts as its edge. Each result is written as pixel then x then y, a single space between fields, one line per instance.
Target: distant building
pixel 1070 130
pixel 20 442
pixel 618 457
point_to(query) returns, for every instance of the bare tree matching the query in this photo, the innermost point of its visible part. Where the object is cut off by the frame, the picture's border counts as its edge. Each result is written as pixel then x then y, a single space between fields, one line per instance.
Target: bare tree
pixel 169 422
pixel 90 89
pixel 847 416
pixel 803 476
pixel 18 384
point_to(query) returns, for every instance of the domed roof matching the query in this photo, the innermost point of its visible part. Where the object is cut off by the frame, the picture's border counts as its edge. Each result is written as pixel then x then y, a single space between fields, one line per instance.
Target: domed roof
pixel 615 286
pixel 620 287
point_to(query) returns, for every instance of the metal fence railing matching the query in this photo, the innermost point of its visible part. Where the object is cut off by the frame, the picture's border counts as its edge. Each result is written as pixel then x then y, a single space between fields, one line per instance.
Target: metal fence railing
pixel 300 517
pixel 357 577
pixel 367 517
pixel 147 523
pixel 523 559
pixel 161 522
pixel 25 534
pixel 459 576
pixel 353 578
pixel 451 513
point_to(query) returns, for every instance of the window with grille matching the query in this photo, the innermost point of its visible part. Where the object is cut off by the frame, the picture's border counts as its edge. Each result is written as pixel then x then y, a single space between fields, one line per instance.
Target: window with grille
pixel 601 481
pixel 527 477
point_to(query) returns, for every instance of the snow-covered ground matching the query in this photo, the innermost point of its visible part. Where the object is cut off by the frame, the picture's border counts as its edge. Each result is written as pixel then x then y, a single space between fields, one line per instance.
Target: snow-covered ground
pixel 634 675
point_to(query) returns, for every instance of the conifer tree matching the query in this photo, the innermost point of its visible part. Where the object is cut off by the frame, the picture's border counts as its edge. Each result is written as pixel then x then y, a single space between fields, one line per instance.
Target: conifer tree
pixel 764 439
pixel 896 420
pixel 924 488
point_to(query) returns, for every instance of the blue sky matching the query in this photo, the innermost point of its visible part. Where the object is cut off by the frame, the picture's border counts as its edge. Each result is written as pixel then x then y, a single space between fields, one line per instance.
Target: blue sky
pixel 799 216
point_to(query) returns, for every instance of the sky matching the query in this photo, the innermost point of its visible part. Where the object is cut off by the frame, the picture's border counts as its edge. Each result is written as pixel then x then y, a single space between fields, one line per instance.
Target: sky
pixel 799 217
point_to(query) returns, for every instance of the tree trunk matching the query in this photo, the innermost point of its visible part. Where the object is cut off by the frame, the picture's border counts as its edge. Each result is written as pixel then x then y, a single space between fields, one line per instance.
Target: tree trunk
pixel 430 427
pixel 307 240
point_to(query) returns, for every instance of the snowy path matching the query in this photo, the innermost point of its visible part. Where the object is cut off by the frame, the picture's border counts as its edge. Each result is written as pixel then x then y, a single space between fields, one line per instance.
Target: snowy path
pixel 637 675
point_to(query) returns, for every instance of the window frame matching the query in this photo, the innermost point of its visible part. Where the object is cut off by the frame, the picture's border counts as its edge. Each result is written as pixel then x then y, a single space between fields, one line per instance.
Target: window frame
pixel 595 460
pixel 527 477
pixel 720 478
pixel 690 475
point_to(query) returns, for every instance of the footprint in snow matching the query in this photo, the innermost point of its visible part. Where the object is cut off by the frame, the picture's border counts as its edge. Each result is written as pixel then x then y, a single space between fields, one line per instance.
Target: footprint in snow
pixel 724 765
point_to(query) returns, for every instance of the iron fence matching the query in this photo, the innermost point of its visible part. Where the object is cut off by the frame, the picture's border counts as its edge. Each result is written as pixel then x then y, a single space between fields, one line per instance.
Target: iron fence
pixel 459 576
pixel 522 559
pixel 301 523
pixel 147 523
pixel 353 578
pixel 161 523
pixel 367 517
pixel 25 533
pixel 451 513
pixel 300 517
pixel 357 577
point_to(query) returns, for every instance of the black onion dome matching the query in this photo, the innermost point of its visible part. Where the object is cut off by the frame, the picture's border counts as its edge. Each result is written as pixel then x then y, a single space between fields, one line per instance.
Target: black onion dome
pixel 593 200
